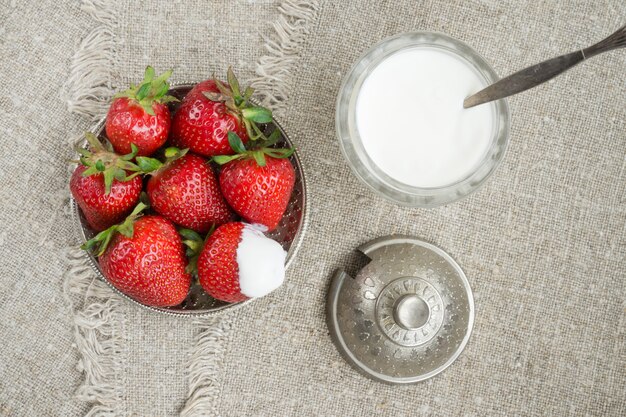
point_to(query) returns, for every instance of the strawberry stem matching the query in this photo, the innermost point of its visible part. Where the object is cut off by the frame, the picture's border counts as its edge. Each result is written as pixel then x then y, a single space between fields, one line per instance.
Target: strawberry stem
pixel 240 106
pixel 99 159
pixel 100 242
pixel 194 243
pixel 152 165
pixel 257 153
pixel 150 90
pixel 233 82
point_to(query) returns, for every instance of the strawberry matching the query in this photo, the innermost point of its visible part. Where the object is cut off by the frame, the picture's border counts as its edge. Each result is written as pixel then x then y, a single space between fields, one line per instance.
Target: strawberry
pixel 238 262
pixel 144 258
pixel 101 187
pixel 258 183
pixel 140 115
pixel 185 191
pixel 212 109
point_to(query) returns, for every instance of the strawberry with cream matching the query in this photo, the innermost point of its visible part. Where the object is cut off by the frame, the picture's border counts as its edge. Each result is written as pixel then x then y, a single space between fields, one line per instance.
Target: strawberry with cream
pixel 239 262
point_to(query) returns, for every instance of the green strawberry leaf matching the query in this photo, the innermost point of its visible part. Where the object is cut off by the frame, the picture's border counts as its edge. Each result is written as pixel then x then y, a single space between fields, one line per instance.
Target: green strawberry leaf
pixel 90 244
pixel 126 165
pixel 131 176
pixel 143 91
pixel 132 154
pixel 224 159
pixel 194 243
pixel 189 234
pixel 163 77
pixel 171 151
pixel 273 138
pixel 259 157
pixel 235 142
pixel 127 229
pixel 99 241
pixel 90 171
pixel 279 153
pixel 222 88
pixel 149 74
pixel 172 154
pixel 148 164
pixel 233 82
pixel 120 175
pixel 213 96
pixel 141 206
pixel 107 239
pixel 161 90
pixel 108 147
pixel 247 94
pixel 168 99
pixel 102 239
pixel 257 114
pixel 147 107
pixel 94 144
pixel 109 175
pixel 83 152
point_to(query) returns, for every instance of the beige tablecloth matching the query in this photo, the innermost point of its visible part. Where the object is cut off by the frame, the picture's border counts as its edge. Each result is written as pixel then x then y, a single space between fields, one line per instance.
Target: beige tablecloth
pixel 543 243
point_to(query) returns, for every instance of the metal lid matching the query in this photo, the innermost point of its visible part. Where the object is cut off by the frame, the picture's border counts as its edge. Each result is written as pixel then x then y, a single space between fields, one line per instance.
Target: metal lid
pixel 406 316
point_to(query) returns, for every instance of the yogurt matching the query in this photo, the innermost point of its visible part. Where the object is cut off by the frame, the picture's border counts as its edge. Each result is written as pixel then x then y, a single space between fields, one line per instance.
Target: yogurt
pixel 261 262
pixel 411 120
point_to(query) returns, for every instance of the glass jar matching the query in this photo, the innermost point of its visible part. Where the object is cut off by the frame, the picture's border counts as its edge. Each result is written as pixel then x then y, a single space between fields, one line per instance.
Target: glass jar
pixel 361 163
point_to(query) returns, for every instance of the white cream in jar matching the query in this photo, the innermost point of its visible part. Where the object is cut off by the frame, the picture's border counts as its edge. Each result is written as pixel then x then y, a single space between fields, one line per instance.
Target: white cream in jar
pixel 411 120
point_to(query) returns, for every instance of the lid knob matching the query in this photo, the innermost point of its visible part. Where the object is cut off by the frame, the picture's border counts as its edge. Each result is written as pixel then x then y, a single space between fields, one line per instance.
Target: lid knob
pixel 411 312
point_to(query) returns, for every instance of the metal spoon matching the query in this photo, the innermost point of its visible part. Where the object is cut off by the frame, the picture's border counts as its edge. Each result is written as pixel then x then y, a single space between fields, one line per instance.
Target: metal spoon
pixel 544 71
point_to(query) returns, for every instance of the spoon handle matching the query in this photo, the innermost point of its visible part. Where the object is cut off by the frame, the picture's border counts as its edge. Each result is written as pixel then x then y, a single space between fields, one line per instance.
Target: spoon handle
pixel 544 71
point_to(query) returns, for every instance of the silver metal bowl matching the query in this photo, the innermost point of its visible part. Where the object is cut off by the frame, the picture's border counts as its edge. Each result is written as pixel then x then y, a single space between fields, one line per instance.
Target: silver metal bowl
pixel 289 232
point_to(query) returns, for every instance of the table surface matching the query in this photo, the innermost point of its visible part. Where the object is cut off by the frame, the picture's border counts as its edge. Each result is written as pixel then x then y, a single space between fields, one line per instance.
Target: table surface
pixel 542 243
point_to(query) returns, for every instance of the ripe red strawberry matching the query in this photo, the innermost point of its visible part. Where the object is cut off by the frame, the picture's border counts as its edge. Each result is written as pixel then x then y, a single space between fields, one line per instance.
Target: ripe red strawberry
pixel 103 210
pixel 257 184
pixel 186 192
pixel 238 262
pixel 140 115
pixel 144 258
pixel 101 187
pixel 212 109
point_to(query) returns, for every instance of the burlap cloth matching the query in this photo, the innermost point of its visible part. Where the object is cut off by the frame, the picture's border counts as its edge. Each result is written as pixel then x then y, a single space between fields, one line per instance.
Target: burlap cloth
pixel 543 243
